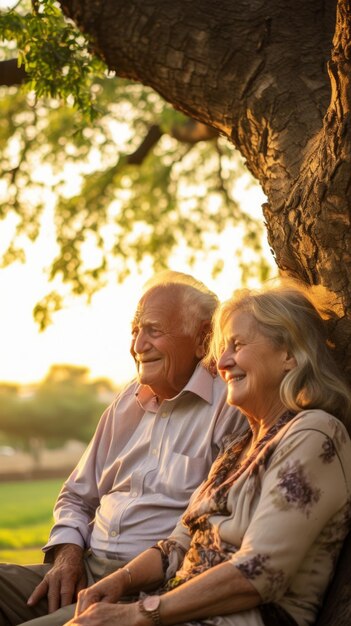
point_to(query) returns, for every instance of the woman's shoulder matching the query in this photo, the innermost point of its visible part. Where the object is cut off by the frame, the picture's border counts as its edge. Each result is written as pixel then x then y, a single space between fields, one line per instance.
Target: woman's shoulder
pixel 317 419
pixel 316 423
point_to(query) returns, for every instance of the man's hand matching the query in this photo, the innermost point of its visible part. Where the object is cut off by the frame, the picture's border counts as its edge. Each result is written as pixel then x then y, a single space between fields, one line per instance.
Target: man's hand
pixel 64 580
pixel 110 615
pixel 109 589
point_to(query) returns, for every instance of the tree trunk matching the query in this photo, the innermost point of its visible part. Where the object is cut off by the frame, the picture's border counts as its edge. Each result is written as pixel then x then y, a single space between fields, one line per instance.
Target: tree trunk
pixel 257 72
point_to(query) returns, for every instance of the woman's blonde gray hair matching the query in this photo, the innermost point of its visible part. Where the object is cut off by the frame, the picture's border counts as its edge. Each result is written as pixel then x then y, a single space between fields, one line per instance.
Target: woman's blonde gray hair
pixel 288 316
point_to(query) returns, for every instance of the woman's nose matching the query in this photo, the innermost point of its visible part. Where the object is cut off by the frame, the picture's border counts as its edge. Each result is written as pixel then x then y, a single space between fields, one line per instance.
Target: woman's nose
pixel 225 360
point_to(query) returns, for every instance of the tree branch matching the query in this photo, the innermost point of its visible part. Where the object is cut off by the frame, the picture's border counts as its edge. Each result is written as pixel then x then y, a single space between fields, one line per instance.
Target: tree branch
pixel 11 74
pixel 149 141
pixel 192 132
pixel 229 66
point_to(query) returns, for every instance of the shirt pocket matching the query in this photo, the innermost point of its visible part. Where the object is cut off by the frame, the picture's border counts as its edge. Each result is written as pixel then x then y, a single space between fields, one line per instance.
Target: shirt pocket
pixel 182 475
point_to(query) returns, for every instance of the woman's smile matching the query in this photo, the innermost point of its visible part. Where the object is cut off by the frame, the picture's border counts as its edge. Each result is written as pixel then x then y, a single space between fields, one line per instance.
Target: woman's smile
pixel 234 378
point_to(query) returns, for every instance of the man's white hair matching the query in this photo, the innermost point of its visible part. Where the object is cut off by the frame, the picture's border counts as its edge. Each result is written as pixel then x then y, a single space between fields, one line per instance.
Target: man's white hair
pixel 197 302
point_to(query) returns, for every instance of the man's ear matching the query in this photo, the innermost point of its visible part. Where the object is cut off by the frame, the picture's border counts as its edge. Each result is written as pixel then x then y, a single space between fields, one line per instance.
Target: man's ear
pixel 203 338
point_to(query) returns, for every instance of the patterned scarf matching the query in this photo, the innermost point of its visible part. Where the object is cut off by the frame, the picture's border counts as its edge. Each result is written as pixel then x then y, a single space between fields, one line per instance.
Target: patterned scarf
pixel 226 470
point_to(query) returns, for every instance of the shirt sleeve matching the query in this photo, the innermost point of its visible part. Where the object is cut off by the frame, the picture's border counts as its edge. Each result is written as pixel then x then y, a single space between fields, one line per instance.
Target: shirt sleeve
pixel 80 495
pixel 302 488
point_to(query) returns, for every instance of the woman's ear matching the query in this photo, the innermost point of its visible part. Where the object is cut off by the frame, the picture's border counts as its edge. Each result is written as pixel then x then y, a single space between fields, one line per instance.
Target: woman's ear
pixel 289 362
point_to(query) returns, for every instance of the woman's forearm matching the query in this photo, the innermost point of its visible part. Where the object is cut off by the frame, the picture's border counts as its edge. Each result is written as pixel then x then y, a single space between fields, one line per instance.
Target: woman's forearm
pixel 219 591
pixel 145 571
pixel 222 590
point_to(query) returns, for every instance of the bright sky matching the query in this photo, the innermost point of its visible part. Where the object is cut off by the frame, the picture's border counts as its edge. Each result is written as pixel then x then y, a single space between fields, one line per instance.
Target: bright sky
pixel 7 4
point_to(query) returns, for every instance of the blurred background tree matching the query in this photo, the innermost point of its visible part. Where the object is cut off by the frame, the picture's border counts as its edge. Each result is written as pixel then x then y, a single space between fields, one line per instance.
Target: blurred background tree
pixel 65 405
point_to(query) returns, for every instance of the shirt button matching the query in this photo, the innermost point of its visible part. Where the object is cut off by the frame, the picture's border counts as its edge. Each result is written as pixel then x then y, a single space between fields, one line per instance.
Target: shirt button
pixel 164 414
pixel 154 452
pixel 113 533
pixel 134 494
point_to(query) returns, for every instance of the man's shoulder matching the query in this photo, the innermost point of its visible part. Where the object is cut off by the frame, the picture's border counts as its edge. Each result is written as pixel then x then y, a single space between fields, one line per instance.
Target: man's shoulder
pixel 220 392
pixel 131 386
pixel 219 386
pixel 206 386
pixel 126 394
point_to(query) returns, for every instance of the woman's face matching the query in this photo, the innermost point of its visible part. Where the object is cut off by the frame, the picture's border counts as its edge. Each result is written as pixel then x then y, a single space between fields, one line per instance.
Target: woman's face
pixel 252 366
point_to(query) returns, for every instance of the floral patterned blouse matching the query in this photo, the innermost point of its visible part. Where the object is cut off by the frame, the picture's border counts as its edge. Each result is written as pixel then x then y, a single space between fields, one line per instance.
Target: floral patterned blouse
pixel 280 518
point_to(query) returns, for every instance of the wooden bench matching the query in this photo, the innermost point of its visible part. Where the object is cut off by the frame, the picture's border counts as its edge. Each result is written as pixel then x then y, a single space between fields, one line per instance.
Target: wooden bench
pixel 336 609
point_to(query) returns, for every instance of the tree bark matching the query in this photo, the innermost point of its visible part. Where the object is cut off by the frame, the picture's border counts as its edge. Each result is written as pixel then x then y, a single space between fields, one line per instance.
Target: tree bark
pixel 274 77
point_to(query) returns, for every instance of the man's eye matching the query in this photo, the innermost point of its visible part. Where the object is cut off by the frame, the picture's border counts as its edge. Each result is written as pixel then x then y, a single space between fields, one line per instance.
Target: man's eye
pixel 237 345
pixel 154 332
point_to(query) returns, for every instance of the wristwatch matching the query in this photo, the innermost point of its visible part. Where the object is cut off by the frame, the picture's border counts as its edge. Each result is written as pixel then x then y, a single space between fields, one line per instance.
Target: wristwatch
pixel 149 606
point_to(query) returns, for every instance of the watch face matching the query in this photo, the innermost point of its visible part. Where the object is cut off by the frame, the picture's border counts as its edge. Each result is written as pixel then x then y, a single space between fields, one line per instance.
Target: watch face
pixel 151 603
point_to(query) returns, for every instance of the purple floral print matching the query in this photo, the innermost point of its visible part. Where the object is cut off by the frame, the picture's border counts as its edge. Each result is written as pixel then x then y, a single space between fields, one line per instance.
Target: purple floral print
pixel 253 567
pixel 295 489
pixel 329 451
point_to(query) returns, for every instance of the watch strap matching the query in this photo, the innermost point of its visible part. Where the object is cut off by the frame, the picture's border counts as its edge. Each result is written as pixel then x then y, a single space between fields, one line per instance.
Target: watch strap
pixel 153 614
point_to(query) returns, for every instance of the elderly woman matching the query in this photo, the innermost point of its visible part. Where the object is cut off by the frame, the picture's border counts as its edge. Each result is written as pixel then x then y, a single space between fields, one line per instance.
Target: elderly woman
pixel 260 538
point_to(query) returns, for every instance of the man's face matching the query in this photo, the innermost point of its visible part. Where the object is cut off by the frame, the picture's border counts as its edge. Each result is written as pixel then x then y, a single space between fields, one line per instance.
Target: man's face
pixel 165 357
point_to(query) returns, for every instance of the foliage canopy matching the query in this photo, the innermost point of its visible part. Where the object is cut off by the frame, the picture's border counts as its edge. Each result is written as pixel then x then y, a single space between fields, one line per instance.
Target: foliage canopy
pixel 132 178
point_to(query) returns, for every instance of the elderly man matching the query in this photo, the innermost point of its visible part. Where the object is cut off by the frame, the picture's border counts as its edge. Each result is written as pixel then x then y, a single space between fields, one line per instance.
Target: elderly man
pixel 151 448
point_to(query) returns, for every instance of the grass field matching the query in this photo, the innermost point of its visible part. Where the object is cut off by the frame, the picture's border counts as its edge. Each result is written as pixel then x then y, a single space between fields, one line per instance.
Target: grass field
pixel 26 518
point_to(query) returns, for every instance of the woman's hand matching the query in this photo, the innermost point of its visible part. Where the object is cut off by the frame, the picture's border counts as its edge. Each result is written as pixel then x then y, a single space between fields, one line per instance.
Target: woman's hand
pixel 109 589
pixel 103 614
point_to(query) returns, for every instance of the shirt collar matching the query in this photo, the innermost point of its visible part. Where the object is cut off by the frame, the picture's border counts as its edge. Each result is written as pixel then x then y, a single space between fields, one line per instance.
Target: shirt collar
pixel 200 383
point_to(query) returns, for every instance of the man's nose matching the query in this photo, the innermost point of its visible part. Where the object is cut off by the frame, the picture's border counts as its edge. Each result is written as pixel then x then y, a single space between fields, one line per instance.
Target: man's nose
pixel 141 343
